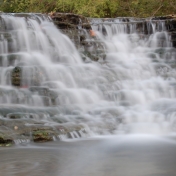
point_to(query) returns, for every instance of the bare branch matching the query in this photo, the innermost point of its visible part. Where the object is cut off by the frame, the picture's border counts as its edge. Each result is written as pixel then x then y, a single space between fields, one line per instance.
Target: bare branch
pixel 133 13
pixel 161 5
pixel 172 5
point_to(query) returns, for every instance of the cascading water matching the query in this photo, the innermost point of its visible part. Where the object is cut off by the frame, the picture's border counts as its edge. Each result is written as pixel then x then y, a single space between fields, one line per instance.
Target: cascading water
pixel 141 61
pixel 43 77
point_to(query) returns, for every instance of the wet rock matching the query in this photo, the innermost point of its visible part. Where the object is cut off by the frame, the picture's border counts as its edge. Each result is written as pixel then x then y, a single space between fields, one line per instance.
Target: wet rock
pixel 86 26
pixel 16 76
pixel 42 136
pixel 45 97
pixel 70 130
pixel 65 25
pixel 7 59
pixel 168 17
pixel 22 131
pixel 78 29
pixel 15 115
pixel 26 76
pixel 20 115
pixel 69 20
pixel 5 140
pixel 171 25
pixel 74 26
pixel 42 133
pixel 170 21
pixel 82 38
pixel 44 91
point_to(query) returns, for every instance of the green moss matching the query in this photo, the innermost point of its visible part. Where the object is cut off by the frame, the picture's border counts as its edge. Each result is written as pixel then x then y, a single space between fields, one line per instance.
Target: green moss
pixel 42 136
pixel 5 141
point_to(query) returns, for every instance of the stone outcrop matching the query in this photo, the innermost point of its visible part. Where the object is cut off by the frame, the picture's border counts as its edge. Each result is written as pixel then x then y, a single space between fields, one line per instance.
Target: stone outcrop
pixel 70 21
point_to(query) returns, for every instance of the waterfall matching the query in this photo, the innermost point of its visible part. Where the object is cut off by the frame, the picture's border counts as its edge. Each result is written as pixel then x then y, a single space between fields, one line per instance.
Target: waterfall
pixel 130 89
pixel 142 84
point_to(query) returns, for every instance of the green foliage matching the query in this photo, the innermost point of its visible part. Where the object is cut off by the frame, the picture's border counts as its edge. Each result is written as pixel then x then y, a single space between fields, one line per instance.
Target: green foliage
pixel 92 8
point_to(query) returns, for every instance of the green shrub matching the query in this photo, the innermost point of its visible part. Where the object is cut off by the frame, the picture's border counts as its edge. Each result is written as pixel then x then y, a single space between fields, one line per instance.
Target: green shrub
pixel 92 8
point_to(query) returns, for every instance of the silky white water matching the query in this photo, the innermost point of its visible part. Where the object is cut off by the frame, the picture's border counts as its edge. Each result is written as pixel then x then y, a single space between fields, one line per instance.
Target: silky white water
pixel 131 90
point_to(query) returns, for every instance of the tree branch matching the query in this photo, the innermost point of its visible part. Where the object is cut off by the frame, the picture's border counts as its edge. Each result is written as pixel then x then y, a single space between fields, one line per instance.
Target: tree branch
pixel 157 10
pixel 172 5
pixel 133 13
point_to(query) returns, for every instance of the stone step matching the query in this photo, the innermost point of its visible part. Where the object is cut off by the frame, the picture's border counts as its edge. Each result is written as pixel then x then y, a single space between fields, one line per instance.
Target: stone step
pixel 28 96
pixel 16 108
pixel 14 59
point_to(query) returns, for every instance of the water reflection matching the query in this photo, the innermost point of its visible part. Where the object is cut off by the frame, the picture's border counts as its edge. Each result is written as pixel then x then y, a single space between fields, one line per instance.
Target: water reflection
pixel 133 155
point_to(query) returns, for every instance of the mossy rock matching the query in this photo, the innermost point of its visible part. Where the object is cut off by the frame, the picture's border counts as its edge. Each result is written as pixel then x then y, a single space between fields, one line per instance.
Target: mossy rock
pixel 5 140
pixel 42 136
pixel 19 115
pixel 86 26
pixel 69 127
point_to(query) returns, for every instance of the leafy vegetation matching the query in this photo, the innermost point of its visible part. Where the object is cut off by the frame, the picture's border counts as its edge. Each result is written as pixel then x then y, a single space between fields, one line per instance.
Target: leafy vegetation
pixel 92 8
